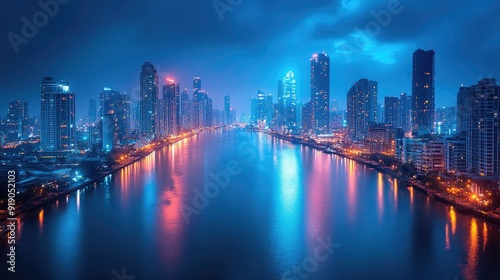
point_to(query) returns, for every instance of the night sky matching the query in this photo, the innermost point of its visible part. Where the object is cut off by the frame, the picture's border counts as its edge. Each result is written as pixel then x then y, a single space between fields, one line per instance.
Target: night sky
pixel 95 44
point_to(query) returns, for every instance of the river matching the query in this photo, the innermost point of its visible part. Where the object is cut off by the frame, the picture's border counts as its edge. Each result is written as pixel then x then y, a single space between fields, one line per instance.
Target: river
pixel 231 204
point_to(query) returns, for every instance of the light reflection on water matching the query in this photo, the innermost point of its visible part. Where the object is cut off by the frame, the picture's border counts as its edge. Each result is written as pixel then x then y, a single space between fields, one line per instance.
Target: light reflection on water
pixel 266 221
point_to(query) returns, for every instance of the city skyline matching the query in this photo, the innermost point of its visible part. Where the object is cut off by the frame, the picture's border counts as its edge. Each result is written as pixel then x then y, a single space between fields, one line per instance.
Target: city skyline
pixel 233 139
pixel 387 53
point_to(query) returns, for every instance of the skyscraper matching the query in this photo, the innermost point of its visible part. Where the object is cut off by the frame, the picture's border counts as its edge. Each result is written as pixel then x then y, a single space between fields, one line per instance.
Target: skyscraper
pixel 149 88
pixel 463 93
pixel 108 132
pixel 423 78
pixel 196 83
pixel 185 110
pixel 116 105
pixel 58 125
pixel 405 112
pixel 17 123
pixel 227 110
pixel 392 111
pixel 200 101
pixel 361 107
pixel 288 101
pixel 209 117
pixel 482 126
pixel 307 119
pixel 136 116
pixel 446 120
pixel 261 107
pixel 171 101
pixel 269 110
pixel 320 92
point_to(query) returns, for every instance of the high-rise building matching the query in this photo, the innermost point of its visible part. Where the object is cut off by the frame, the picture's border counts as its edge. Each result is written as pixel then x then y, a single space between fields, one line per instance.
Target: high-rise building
pixel 200 104
pixel 209 117
pixel 361 107
pixel 185 110
pixel 482 127
pixel 320 92
pixel 456 155
pixel 405 112
pixel 423 79
pixel 108 132
pixel 463 93
pixel 58 125
pixel 288 102
pixel 445 120
pixel 280 115
pixel 269 110
pixel 307 119
pixel 196 83
pixel 136 116
pixel 92 111
pixel 149 88
pixel 227 110
pixel 171 103
pixel 261 107
pixel 392 110
pixel 117 105
pixel 17 123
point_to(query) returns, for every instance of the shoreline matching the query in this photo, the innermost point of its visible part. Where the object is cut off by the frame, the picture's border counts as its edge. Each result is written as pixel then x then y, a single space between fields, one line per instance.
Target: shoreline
pixel 440 197
pixel 20 210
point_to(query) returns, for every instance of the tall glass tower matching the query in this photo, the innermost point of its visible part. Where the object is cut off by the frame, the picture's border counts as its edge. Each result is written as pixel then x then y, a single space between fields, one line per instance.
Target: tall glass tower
pixel 149 88
pixel 423 79
pixel 57 121
pixel 289 101
pixel 320 93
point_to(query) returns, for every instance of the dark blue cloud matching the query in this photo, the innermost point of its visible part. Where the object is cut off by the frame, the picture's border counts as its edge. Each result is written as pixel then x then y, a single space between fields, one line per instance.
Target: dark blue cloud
pixel 93 44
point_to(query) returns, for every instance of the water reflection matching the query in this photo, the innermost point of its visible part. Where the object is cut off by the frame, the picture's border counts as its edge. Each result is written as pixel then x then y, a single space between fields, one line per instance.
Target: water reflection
pixel 352 195
pixel 380 199
pixel 172 221
pixel 78 200
pixel 447 237
pixel 411 190
pixel 318 197
pixel 395 187
pixel 288 207
pixel 40 220
pixel 453 220
pixel 470 269
pixel 485 235
pixel 277 207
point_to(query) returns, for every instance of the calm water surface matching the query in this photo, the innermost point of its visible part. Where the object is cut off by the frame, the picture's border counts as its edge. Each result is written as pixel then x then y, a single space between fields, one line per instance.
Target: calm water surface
pixel 287 212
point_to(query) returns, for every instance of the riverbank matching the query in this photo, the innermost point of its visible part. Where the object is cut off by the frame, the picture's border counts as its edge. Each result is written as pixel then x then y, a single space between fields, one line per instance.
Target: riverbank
pixel 38 203
pixel 461 206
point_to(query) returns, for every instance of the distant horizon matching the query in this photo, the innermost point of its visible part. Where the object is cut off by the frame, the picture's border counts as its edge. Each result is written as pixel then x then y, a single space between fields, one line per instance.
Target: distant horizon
pixel 135 94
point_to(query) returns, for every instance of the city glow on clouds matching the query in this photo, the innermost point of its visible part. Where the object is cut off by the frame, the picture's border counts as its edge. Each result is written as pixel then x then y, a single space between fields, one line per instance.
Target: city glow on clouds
pixel 358 46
